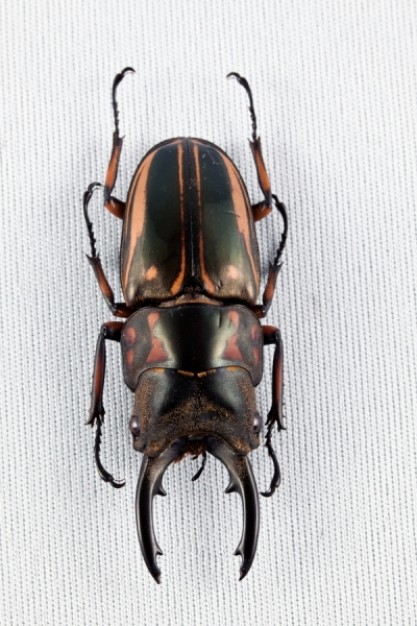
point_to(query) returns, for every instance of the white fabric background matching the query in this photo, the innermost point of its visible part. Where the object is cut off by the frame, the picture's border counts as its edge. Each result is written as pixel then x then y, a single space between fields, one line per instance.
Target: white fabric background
pixel 335 87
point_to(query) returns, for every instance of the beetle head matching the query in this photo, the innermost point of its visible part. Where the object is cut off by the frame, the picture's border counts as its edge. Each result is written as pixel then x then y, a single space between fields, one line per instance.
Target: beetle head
pixel 176 414
pixel 171 405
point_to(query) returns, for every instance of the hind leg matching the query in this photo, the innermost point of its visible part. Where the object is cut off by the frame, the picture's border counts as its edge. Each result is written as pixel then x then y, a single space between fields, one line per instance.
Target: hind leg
pixel 263 208
pixel 112 204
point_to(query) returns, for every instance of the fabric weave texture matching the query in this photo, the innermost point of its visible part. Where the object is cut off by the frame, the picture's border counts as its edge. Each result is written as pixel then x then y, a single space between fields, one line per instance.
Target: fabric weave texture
pixel 335 90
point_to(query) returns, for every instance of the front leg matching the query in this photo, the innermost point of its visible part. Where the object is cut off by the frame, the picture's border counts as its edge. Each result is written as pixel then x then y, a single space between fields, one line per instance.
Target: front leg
pixel 112 331
pixel 272 335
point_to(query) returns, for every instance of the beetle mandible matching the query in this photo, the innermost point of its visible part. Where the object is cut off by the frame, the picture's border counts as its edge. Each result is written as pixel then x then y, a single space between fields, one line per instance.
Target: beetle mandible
pixel 192 344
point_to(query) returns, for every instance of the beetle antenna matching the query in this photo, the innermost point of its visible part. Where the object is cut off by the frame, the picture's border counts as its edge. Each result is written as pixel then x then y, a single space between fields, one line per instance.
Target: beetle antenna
pixel 86 200
pixel 104 474
pixel 283 212
pixel 242 81
pixel 203 464
pixel 117 80
pixel 276 476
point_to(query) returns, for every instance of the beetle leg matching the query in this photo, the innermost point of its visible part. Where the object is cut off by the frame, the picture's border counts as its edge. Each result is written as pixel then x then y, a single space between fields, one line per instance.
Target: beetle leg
pixel 263 208
pixel 272 335
pixel 262 309
pixel 112 204
pixel 113 331
pixel 119 309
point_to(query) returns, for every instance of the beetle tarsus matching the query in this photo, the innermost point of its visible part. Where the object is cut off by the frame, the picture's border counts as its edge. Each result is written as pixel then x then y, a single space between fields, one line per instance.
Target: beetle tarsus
pixel 86 201
pixel 117 80
pixel 281 208
pixel 242 81
pixel 104 474
pixel 276 476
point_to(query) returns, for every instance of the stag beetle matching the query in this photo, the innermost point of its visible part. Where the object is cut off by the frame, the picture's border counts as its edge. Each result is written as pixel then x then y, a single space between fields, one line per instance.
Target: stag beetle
pixel 192 344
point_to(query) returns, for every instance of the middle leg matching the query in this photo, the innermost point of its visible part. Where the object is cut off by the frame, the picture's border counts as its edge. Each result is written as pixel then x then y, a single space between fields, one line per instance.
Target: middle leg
pixel 119 309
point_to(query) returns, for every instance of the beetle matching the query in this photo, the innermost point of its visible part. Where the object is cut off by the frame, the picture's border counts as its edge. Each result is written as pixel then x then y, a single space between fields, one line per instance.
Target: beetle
pixel 191 340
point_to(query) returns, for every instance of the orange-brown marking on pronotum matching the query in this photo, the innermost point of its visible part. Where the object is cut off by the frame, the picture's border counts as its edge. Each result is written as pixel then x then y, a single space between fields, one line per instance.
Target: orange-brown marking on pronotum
pixel 135 218
pixel 153 317
pixel 232 350
pixel 130 356
pixel 234 318
pixel 177 284
pixel 256 350
pixel 157 352
pixel 130 335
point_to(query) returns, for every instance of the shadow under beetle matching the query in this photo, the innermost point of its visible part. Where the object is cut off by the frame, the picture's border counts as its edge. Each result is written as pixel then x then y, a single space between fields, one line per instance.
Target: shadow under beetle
pixel 192 343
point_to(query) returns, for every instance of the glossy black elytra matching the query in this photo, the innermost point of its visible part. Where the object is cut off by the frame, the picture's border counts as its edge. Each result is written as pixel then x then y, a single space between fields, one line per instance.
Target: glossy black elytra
pixel 192 343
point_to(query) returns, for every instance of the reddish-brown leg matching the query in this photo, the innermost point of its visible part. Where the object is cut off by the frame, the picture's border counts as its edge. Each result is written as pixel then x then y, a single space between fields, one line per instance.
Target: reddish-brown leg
pixel 272 335
pixel 118 309
pixel 263 208
pixel 112 204
pixel 261 310
pixel 112 331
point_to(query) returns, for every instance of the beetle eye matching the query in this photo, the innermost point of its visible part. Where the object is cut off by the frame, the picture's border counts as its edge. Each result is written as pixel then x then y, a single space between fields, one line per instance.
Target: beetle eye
pixel 257 423
pixel 134 425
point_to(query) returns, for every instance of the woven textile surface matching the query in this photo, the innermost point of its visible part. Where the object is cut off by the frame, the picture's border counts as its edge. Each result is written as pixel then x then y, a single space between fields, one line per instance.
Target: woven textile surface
pixel 335 90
